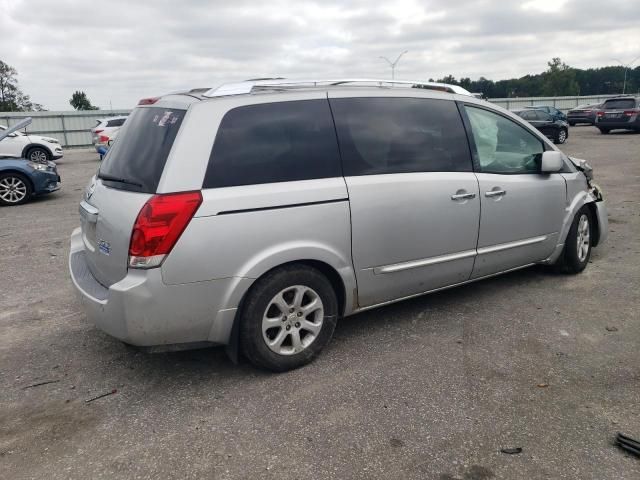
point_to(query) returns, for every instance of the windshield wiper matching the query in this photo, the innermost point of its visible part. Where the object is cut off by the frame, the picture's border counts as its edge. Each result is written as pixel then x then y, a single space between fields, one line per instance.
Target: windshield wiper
pixel 111 178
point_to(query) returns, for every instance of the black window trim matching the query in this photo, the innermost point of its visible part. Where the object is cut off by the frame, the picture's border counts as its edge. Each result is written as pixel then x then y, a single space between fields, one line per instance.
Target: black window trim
pixel 471 140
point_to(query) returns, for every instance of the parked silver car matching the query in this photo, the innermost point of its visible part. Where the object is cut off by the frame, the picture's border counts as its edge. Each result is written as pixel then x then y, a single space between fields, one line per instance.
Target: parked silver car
pixel 257 214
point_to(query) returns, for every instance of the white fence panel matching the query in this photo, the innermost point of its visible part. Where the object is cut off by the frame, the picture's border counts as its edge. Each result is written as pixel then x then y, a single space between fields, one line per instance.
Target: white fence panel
pixel 73 128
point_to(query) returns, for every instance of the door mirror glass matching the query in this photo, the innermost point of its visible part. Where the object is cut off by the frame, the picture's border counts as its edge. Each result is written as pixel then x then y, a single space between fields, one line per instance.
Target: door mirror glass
pixel 551 162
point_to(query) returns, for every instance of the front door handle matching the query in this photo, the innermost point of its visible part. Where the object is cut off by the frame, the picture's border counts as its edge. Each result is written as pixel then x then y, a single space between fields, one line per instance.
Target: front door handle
pixel 463 196
pixel 495 193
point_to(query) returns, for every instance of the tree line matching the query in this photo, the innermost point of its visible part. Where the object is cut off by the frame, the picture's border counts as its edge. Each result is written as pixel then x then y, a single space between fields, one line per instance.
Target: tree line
pixel 558 80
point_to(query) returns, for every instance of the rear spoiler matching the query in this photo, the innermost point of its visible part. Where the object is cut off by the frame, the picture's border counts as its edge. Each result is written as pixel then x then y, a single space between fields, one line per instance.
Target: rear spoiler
pixel 22 124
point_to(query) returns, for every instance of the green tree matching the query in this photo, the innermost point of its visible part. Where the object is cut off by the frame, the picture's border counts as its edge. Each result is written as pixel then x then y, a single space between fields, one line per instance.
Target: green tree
pixel 11 97
pixel 79 101
pixel 559 79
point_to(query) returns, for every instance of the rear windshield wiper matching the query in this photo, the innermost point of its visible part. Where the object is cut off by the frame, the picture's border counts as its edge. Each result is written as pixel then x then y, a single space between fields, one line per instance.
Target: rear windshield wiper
pixel 111 178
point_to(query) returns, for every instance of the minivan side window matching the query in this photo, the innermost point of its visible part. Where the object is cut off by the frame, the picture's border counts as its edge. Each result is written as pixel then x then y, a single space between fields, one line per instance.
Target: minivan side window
pixel 502 145
pixel 400 135
pixel 274 142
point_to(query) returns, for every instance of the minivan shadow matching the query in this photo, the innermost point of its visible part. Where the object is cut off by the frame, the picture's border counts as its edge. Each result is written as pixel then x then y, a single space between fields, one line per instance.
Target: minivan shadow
pixel 359 326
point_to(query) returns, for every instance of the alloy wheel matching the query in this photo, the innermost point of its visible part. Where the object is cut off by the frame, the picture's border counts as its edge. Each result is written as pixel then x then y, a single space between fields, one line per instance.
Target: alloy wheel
pixel 562 136
pixel 292 320
pixel 583 237
pixel 12 189
pixel 38 156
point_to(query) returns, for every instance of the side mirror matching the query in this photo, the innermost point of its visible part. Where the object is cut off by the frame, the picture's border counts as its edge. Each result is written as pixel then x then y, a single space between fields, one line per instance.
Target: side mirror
pixel 551 162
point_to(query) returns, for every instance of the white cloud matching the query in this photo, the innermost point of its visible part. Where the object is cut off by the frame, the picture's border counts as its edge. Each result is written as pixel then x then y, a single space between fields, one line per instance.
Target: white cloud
pixel 121 51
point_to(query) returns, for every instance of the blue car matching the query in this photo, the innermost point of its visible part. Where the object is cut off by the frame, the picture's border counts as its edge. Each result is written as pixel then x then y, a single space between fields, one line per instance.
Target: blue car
pixel 21 179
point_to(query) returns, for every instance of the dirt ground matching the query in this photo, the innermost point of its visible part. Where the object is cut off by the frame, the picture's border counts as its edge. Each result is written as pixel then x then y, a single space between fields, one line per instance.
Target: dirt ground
pixel 431 388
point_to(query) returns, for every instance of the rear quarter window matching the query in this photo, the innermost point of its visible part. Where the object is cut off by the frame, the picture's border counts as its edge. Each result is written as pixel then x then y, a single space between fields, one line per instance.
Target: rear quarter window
pixel 274 142
pixel 116 123
pixel 139 154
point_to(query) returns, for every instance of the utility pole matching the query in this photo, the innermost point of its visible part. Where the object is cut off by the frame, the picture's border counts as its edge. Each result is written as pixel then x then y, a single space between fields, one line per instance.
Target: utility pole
pixel 626 67
pixel 393 64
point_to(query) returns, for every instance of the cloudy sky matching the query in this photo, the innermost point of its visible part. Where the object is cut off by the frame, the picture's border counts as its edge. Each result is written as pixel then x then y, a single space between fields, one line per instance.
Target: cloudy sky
pixel 119 51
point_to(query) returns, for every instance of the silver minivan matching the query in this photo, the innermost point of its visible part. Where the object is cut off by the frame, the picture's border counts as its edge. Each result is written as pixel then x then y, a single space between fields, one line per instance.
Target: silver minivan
pixel 257 214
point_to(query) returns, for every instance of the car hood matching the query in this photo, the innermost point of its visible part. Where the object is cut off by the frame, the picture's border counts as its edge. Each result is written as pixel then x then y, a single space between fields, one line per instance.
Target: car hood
pixel 41 139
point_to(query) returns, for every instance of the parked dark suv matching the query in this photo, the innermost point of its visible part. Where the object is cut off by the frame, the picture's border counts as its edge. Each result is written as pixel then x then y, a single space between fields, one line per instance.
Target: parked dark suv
pixel 556 130
pixel 619 113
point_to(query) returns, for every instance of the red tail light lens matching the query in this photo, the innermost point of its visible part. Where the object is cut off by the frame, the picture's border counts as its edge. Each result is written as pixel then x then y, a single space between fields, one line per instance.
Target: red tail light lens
pixel 98 131
pixel 631 113
pixel 148 101
pixel 159 225
pixel 600 113
pixel 103 139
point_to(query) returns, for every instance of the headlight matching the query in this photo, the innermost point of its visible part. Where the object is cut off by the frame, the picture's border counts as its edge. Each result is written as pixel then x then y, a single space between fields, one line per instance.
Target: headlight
pixel 39 166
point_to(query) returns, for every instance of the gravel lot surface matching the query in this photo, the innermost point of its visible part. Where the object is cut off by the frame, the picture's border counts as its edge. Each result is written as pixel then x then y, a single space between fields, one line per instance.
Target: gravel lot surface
pixel 430 388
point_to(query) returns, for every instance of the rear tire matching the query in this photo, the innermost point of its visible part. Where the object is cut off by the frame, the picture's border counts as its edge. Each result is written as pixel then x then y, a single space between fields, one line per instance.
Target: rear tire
pixel 604 131
pixel 577 246
pixel 572 124
pixel 15 189
pixel 288 317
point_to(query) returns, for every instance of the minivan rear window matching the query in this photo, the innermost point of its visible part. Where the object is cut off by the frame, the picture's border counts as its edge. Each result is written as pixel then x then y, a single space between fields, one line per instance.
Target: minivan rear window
pixel 621 103
pixel 137 158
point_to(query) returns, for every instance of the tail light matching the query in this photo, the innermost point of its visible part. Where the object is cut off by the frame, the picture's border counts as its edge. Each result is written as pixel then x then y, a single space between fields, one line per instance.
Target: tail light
pixel 600 113
pixel 159 225
pixel 98 131
pixel 103 139
pixel 148 101
pixel 631 113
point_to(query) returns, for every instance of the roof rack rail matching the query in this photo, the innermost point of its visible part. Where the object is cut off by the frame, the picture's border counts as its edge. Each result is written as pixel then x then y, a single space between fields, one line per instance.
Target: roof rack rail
pixel 247 87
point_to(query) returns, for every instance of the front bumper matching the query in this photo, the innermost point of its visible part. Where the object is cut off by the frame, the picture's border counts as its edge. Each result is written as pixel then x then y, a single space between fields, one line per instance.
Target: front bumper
pixel 45 182
pixel 603 221
pixel 142 310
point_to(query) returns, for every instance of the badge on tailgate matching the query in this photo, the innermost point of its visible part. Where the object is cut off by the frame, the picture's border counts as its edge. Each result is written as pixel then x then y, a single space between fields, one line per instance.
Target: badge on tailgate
pixel 104 247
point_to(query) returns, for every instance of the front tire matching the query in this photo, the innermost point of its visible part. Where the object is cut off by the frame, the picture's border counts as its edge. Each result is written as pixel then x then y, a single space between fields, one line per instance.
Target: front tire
pixel 561 136
pixel 577 246
pixel 288 317
pixel 15 189
pixel 39 155
pixel 604 131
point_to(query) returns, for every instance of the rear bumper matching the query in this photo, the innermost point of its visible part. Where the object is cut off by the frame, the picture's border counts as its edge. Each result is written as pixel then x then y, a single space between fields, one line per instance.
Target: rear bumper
pixel 580 119
pixel 142 310
pixel 633 124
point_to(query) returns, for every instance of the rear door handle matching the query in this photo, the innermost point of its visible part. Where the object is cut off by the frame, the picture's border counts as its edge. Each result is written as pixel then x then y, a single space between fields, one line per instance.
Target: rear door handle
pixel 495 193
pixel 463 196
